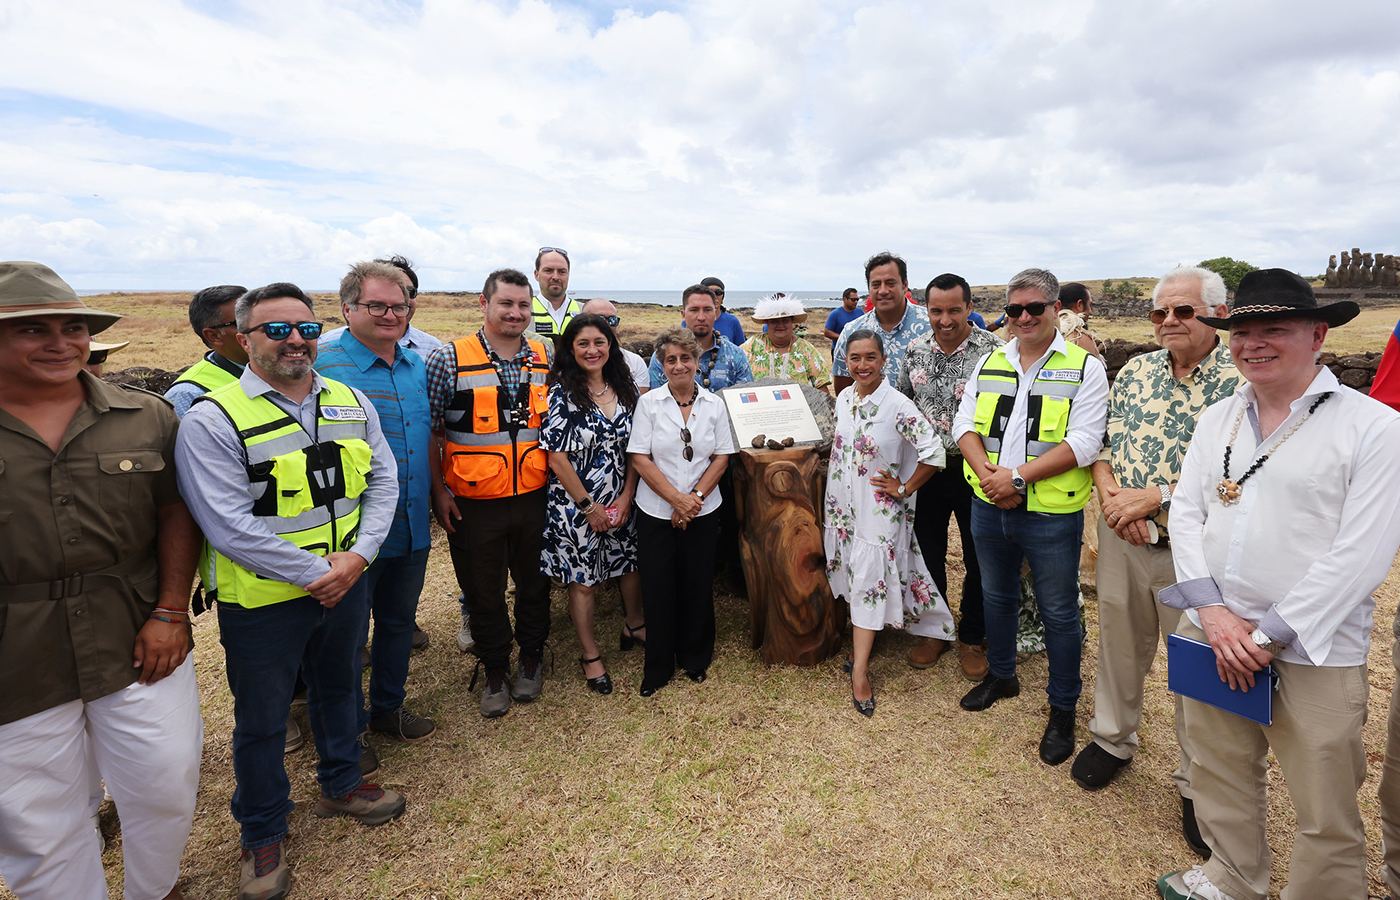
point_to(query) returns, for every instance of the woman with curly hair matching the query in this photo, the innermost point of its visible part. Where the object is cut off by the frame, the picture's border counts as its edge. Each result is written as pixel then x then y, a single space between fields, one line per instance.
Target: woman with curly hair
pixel 883 451
pixel 590 536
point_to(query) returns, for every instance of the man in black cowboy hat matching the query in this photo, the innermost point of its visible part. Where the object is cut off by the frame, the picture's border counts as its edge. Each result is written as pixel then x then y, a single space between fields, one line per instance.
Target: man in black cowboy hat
pixel 1284 521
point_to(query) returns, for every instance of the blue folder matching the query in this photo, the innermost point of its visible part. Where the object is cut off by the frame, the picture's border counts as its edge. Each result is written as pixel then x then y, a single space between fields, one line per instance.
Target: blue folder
pixel 1191 672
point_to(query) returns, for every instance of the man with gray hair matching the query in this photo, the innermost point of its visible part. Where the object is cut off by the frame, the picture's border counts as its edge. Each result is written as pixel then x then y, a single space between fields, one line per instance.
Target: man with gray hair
pixel 635 364
pixel 1152 412
pixel 1029 425
pixel 290 477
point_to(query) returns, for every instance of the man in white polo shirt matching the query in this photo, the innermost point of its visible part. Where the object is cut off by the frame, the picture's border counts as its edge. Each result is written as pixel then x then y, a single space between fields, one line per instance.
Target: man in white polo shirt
pixel 1284 521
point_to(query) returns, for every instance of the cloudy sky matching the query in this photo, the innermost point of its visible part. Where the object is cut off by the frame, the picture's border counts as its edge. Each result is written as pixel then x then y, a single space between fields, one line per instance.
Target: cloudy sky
pixel 777 143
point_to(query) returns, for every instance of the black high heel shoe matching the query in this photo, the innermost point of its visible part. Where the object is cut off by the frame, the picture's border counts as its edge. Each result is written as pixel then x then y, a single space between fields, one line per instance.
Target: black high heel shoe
pixel 629 637
pixel 600 685
pixel 864 707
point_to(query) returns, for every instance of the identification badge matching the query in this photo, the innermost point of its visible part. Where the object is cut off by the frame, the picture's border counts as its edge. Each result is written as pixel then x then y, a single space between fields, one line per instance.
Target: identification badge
pixel 1059 375
pixel 344 414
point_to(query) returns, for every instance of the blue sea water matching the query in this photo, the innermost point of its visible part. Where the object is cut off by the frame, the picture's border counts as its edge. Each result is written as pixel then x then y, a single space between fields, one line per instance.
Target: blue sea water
pixel 732 299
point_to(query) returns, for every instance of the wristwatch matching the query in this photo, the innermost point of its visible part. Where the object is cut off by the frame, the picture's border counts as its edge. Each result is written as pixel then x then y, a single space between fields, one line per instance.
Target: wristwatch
pixel 1261 639
pixel 1017 481
pixel 697 492
pixel 901 493
pixel 1166 497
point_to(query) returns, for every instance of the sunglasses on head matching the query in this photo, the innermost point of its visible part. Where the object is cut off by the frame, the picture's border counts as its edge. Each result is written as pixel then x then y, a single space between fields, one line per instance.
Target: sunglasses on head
pixel 1014 310
pixel 280 331
pixel 560 250
pixel 687 452
pixel 1183 313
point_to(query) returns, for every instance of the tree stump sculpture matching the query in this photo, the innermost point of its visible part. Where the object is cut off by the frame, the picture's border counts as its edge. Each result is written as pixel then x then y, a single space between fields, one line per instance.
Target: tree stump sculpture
pixel 795 618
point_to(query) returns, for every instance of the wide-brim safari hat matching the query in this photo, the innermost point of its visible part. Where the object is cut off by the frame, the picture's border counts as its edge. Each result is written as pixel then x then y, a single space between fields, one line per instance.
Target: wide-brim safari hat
pixel 33 289
pixel 1280 294
pixel 778 306
pixel 99 346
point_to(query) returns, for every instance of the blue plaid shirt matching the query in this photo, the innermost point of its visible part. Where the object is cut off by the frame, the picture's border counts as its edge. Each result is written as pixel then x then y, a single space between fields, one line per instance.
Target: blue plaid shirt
pixel 719 367
pixel 400 396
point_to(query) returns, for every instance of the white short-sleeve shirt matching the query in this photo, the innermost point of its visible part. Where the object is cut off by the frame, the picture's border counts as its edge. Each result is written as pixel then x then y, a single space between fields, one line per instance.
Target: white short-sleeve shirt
pixel 656 431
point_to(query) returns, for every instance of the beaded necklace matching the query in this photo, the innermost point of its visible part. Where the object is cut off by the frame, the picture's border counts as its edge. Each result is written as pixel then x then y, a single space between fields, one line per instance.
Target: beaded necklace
pixel 1228 489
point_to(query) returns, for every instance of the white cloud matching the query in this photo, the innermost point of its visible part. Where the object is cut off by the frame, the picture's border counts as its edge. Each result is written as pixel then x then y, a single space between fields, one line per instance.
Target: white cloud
pixel 150 143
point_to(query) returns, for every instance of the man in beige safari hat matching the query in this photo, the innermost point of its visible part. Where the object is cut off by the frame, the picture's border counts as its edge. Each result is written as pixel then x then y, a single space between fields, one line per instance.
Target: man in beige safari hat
pixel 97 553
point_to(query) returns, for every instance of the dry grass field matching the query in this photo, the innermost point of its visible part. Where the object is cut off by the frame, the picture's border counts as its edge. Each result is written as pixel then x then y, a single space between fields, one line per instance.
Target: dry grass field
pixel 760 783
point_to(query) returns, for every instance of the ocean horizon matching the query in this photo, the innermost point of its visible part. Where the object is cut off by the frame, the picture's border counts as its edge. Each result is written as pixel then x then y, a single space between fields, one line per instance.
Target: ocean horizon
pixel 732 299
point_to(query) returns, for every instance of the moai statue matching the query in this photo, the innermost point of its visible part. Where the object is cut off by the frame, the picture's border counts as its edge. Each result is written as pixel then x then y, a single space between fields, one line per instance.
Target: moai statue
pixel 1331 271
pixel 1344 271
pixel 1390 276
pixel 1368 276
pixel 1354 279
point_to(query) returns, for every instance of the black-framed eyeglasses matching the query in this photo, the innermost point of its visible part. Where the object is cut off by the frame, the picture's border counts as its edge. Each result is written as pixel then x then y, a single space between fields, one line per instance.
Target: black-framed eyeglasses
pixel 1014 310
pixel 280 331
pixel 97 357
pixel 221 325
pixel 687 452
pixel 1183 313
pixel 560 250
pixel 379 310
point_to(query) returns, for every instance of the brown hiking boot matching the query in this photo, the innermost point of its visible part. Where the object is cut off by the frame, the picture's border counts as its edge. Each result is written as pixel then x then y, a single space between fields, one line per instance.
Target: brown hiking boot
pixel 927 652
pixel 263 874
pixel 368 804
pixel 973 659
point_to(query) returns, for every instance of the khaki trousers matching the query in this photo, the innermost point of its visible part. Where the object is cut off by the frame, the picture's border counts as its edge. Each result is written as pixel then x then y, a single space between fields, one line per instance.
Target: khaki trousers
pixel 1390 789
pixel 1130 620
pixel 1316 737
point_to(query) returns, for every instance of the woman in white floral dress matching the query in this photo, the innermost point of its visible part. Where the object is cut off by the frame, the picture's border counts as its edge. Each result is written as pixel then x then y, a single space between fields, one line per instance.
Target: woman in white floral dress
pixel 884 449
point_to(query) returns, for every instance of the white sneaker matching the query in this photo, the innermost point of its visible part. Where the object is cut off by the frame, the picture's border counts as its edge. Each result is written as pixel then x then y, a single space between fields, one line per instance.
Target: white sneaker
pixel 1190 884
pixel 465 641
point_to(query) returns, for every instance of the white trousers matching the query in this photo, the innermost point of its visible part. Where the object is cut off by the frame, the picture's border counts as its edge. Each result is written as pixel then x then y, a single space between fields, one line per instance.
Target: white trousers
pixel 146 741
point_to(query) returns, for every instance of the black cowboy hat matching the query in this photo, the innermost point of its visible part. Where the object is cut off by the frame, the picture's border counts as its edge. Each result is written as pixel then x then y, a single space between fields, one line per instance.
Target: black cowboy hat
pixel 1280 294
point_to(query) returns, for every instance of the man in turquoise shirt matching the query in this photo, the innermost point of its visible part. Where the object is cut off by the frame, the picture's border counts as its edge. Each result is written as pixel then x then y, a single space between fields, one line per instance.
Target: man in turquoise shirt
pixel 375 302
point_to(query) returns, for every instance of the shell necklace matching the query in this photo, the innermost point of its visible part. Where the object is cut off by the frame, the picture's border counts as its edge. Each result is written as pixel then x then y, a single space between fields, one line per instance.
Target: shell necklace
pixel 1228 489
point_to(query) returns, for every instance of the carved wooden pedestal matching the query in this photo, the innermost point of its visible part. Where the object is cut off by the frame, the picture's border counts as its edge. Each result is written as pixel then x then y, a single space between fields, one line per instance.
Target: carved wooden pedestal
pixel 779 495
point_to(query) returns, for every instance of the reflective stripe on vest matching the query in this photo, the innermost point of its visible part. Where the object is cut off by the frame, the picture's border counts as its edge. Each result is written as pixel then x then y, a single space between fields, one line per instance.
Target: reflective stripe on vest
pixel 1048 402
pixel 206 375
pixel 544 322
pixel 305 489
pixel 491 441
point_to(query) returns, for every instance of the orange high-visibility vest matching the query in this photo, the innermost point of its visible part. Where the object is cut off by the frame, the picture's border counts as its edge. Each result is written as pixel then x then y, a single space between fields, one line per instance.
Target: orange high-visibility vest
pixel 492 440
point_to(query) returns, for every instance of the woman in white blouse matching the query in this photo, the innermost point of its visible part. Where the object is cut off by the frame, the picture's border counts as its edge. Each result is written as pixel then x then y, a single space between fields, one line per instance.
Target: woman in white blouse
pixel 883 451
pixel 680 445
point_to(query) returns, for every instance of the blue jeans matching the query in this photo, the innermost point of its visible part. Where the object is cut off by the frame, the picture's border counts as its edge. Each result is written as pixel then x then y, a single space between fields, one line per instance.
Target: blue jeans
pixel 1050 543
pixel 264 648
pixel 394 585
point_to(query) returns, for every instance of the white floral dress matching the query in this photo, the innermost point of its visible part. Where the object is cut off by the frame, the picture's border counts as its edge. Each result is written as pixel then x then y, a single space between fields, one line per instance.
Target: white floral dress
pixel 872 557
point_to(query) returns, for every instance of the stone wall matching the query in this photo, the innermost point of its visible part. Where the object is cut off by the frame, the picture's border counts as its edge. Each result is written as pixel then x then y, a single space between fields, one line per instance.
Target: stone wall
pixel 1355 370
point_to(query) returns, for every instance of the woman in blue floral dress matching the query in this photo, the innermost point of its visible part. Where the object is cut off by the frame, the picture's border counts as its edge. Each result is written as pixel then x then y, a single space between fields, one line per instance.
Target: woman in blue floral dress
pixel 590 536
pixel 883 451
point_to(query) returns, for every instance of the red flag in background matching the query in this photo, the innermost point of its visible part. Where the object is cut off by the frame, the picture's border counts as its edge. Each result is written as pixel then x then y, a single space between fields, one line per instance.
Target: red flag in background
pixel 1386 387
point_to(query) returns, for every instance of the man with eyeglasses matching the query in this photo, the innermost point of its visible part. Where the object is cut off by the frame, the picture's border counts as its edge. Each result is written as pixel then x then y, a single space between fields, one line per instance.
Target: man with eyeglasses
pixel 552 308
pixel 367 355
pixel 290 477
pixel 1029 425
pixel 635 364
pixel 722 363
pixel 1152 411
pixel 211 317
pixel 415 339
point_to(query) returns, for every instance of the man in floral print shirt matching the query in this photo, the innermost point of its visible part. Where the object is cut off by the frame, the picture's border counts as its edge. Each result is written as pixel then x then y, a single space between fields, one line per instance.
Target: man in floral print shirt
pixel 932 374
pixel 1152 411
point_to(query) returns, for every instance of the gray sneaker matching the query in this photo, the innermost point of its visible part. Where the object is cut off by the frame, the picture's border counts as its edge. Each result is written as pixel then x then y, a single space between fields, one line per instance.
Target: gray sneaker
pixel 465 641
pixel 495 697
pixel 368 804
pixel 529 679
pixel 294 736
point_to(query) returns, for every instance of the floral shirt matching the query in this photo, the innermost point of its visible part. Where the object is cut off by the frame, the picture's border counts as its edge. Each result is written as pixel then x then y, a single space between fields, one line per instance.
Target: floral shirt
pixel 802 361
pixel 934 380
pixel 723 365
pixel 911 329
pixel 1151 416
